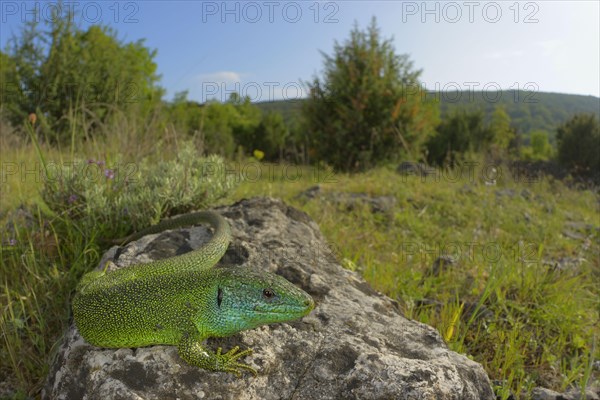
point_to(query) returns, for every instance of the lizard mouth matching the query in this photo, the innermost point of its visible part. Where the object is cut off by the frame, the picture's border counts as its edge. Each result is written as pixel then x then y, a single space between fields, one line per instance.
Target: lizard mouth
pixel 288 311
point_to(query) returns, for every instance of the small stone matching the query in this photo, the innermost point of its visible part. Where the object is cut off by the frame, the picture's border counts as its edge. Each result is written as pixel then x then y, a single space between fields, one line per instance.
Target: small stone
pixel 310 193
pixel 440 265
pixel 540 393
pixel 505 193
pixel 526 194
pixel 573 235
pixel 351 201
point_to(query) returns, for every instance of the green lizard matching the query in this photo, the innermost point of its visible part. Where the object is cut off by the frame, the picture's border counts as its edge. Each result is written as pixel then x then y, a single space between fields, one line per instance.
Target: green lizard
pixel 183 300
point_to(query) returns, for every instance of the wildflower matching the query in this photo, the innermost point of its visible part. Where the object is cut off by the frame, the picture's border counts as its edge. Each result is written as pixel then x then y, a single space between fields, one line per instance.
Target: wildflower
pixel 259 155
pixel 12 242
pixel 109 173
pixel 91 161
pixel 100 163
pixel 72 198
pixel 32 118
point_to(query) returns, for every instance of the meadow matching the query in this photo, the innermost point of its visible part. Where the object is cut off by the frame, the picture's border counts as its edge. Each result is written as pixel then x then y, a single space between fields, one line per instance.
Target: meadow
pixel 514 286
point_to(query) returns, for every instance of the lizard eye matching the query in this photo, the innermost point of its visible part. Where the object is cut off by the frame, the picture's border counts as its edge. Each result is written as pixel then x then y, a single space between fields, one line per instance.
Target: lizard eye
pixel 268 293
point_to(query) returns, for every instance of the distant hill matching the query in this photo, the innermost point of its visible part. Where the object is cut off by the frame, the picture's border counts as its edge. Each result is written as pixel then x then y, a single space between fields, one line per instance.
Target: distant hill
pixel 528 110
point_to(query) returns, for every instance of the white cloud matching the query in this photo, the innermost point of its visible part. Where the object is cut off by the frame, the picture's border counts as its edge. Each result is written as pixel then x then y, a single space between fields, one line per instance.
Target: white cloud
pixel 498 55
pixel 551 47
pixel 220 77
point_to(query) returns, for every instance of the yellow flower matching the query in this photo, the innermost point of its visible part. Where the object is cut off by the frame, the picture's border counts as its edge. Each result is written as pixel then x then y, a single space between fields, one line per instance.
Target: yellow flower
pixel 259 155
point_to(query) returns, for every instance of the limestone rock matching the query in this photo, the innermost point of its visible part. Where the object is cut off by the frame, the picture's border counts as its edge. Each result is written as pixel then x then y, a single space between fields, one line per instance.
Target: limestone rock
pixel 354 345
pixel 351 201
pixel 591 393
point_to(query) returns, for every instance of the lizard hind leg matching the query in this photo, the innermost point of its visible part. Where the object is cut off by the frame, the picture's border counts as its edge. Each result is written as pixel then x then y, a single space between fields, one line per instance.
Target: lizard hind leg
pixel 190 349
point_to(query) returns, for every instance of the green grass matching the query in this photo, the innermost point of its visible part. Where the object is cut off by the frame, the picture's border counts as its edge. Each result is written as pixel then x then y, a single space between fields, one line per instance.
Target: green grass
pixel 38 276
pixel 55 238
pixel 540 324
pixel 536 325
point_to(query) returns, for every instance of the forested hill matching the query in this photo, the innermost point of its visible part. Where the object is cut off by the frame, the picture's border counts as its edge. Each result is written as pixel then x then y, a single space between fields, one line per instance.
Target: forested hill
pixel 528 110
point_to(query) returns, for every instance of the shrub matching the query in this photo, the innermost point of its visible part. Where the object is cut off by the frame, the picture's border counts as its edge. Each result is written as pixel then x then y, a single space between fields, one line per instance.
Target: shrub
pixel 539 149
pixel 579 144
pixel 459 133
pixel 120 196
pixel 369 106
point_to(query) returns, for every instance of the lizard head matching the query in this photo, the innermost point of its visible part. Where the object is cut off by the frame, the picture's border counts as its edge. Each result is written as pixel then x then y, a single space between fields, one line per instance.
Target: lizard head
pixel 245 299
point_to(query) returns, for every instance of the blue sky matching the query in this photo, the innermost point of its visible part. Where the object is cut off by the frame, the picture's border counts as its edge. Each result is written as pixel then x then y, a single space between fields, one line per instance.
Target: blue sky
pixel 266 49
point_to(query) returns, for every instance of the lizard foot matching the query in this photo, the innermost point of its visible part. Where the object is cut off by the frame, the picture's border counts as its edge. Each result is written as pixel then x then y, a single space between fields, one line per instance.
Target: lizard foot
pixel 228 362
pixel 191 351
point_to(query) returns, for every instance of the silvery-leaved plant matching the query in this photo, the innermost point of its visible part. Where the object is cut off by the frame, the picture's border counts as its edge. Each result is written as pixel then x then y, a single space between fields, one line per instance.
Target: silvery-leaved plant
pixel 122 195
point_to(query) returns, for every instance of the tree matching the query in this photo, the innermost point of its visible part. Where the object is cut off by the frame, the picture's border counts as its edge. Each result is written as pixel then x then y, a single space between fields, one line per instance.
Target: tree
pixel 368 106
pixel 459 133
pixel 541 148
pixel 244 126
pixel 500 129
pixel 216 128
pixel 579 144
pixel 9 89
pixel 184 115
pixel 74 78
pixel 271 135
pixel 20 72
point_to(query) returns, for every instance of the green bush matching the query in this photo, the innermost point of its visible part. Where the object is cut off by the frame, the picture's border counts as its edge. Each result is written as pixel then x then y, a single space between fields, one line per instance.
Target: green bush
pixel 539 149
pixel 579 144
pixel 271 135
pixel 217 127
pixel 460 133
pixel 465 131
pixel 369 106
pixel 129 196
pixel 76 81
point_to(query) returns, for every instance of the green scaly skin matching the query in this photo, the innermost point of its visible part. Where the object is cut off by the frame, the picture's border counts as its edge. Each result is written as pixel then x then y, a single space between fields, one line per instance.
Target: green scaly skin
pixel 183 300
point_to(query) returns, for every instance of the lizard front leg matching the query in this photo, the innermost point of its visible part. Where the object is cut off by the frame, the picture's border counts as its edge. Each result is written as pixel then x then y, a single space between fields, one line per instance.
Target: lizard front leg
pixel 190 349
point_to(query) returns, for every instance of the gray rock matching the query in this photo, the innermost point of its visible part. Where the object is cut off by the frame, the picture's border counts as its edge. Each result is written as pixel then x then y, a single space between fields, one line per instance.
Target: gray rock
pixel 581 227
pixel 505 193
pixel 540 393
pixel 526 194
pixel 591 393
pixel 18 219
pixel 351 201
pixel 467 189
pixel 354 345
pixel 573 235
pixel 441 264
pixel 565 264
pixel 311 193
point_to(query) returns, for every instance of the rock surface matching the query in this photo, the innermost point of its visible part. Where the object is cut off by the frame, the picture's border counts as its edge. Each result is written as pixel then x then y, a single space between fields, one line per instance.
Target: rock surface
pixel 354 345
pixel 591 393
pixel 351 201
